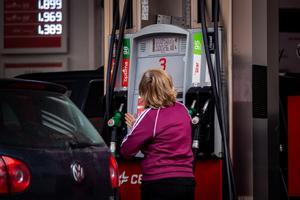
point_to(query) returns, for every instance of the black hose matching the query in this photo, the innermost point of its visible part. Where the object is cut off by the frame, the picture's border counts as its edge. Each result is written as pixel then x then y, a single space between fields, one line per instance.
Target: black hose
pixel 284 184
pixel 195 147
pixel 196 139
pixel 113 141
pixel 217 50
pixel 119 47
pixel 215 93
pixel 109 65
pixel 219 83
pixel 112 82
pixel 282 118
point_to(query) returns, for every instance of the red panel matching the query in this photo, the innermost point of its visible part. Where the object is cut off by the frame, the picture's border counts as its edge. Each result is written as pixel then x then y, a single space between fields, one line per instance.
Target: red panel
pixel 36 42
pixel 17 5
pixel 19 18
pixel 125 71
pixel 20 30
pixel 208 180
pixel 130 174
pixel 208 175
pixel 293 145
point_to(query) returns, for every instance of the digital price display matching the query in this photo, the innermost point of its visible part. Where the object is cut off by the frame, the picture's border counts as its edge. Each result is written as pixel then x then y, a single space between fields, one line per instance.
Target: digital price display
pixel 34 26
pixel 51 16
pixel 165 45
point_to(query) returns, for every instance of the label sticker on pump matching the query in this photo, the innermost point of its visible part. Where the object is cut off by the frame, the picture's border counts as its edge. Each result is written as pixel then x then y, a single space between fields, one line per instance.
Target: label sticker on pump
pixel 197 58
pixel 125 62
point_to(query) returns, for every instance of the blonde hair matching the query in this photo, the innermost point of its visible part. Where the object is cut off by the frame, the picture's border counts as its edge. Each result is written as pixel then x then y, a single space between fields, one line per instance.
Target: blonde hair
pixel 156 88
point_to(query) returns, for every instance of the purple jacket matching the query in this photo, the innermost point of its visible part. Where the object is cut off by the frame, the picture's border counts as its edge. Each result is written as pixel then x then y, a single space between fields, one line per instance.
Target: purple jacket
pixel 164 135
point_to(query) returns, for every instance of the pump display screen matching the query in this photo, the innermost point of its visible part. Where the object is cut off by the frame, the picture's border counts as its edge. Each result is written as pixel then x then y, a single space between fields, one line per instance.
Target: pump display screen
pixel 34 26
pixel 165 45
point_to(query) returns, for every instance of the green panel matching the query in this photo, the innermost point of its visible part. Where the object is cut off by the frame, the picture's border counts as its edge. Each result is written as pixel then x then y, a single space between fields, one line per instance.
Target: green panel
pixel 198 42
pixel 126 48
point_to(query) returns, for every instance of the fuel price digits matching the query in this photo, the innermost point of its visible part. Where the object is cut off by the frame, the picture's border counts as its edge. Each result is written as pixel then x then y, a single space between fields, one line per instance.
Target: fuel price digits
pixel 53 16
pixel 49 4
pixel 50 29
pixel 50 17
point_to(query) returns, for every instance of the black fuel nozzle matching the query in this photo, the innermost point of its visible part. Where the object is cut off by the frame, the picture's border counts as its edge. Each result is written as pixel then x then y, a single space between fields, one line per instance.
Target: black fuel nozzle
pixel 116 120
pixel 198 116
pixel 204 109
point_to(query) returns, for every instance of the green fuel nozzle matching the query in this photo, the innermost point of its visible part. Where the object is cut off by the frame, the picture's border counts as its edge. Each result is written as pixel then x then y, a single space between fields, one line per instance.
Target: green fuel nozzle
pixel 192 110
pixel 116 120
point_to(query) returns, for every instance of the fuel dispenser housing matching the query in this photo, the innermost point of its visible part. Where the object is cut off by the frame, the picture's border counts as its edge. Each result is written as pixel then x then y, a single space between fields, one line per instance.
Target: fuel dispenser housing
pixel 181 53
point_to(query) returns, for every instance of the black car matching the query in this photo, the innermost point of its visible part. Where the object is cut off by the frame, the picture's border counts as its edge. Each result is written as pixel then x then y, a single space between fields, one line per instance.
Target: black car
pixel 84 87
pixel 48 148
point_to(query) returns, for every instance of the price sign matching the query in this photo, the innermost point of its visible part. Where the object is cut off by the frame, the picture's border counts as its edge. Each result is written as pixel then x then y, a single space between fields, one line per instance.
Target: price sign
pixel 34 26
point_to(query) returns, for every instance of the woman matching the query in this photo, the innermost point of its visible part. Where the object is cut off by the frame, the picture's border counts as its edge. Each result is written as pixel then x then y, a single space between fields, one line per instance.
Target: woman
pixel 163 133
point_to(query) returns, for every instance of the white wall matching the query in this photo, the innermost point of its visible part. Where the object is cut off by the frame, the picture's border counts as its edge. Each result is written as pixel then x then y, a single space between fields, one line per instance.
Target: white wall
pixel 85 23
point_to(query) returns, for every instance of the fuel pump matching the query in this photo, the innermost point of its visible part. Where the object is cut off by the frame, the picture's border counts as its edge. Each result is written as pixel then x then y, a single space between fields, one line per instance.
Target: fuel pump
pixel 186 56
pixel 181 53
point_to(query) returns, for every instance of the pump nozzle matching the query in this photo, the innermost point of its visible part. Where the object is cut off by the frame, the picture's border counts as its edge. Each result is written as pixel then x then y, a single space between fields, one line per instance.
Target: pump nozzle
pixel 205 106
pixel 197 116
pixel 115 121
pixel 192 110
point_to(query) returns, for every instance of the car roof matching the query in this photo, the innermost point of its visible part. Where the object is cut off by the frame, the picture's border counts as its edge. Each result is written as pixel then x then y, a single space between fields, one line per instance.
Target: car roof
pixel 14 84
pixel 83 74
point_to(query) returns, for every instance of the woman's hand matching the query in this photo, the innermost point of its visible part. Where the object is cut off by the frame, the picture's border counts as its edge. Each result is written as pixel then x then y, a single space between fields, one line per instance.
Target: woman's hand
pixel 129 120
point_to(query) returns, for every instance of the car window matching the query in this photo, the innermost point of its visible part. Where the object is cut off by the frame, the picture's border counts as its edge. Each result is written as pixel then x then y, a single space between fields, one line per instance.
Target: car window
pixel 9 117
pixel 43 119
